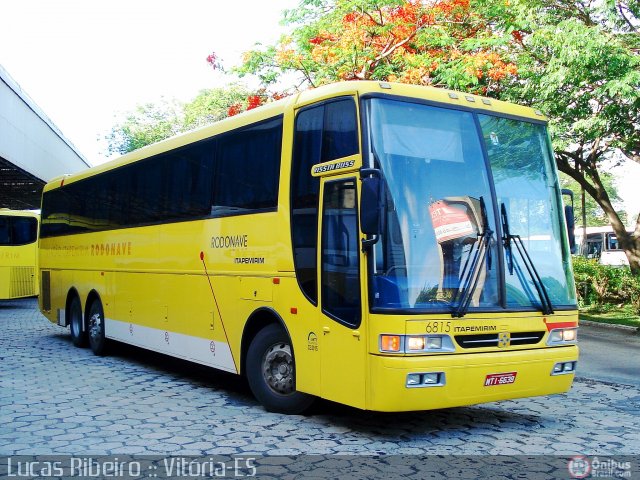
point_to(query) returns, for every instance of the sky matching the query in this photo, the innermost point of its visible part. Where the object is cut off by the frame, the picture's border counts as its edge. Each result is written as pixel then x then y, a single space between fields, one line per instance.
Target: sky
pixel 87 63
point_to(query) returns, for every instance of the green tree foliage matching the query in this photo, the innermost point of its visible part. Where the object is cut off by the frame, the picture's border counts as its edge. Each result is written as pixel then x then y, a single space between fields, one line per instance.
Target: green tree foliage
pixel 213 105
pixel 151 123
pixel 600 285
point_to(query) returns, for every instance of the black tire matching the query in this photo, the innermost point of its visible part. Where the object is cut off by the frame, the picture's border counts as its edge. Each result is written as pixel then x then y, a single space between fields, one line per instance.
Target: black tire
pixel 95 328
pixel 271 372
pixel 79 335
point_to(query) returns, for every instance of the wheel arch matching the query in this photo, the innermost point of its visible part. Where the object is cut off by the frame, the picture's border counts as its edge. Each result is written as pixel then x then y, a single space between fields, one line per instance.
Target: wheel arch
pixel 258 320
pixel 71 294
pixel 92 297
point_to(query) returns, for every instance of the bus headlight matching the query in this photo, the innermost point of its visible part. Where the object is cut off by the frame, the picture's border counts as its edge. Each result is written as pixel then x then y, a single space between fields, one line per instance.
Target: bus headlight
pixel 416 343
pixel 562 336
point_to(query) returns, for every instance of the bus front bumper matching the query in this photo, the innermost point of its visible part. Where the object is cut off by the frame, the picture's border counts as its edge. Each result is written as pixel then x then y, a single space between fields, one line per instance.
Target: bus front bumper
pixel 466 379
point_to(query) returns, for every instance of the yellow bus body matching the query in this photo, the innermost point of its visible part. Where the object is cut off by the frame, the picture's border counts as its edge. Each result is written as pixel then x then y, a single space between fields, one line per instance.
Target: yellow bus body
pixel 18 262
pixel 194 290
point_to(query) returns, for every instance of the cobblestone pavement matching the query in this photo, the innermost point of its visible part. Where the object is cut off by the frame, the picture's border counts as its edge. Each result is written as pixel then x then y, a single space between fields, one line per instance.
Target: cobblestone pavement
pixel 57 399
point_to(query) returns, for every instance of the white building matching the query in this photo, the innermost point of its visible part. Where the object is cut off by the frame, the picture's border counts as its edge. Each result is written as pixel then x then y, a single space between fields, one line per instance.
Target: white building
pixel 32 149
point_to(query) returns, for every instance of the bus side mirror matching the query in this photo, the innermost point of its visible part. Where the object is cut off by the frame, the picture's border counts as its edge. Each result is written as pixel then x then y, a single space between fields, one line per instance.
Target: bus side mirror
pixel 571 225
pixel 569 217
pixel 370 206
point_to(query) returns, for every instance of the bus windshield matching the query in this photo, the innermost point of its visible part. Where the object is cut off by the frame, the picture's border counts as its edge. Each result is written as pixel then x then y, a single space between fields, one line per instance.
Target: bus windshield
pixel 440 209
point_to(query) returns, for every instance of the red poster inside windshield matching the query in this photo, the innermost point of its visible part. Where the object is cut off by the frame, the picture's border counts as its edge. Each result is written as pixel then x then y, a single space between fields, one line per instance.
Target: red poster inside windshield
pixel 449 222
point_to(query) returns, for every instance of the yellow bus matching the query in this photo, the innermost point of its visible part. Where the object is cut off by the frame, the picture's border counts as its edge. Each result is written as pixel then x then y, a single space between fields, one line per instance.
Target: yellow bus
pixel 18 254
pixel 389 247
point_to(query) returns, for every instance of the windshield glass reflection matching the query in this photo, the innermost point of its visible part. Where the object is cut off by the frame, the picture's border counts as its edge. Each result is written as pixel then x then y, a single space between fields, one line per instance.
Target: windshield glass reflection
pixel 435 178
pixel 526 185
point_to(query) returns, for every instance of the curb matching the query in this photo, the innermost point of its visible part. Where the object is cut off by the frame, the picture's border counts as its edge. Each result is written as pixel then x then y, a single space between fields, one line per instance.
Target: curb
pixel 626 328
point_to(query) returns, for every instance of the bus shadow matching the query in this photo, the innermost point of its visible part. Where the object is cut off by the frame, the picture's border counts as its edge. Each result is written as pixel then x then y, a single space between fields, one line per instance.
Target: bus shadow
pixel 233 386
pixel 28 303
pixel 200 375
pixel 376 424
pixel 393 425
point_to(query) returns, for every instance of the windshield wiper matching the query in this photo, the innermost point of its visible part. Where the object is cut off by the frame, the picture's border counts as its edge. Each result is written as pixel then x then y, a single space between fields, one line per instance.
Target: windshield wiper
pixel 507 237
pixel 473 266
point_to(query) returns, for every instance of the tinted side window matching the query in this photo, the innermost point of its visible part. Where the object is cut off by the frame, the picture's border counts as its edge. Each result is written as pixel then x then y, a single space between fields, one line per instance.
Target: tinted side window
pixel 340 137
pixel 118 202
pixel 96 197
pixel 340 247
pixel 304 198
pixel 173 186
pixel 147 197
pixel 247 169
pixel 55 213
pixel 85 203
pixel 322 133
pixel 188 181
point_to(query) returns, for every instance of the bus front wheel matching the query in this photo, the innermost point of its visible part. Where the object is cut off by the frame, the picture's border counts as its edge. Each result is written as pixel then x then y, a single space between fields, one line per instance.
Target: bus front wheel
pixel 76 321
pixel 97 338
pixel 271 372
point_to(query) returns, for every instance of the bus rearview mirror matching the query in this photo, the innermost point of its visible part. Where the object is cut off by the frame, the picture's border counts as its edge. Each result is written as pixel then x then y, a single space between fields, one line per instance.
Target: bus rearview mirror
pixel 570 219
pixel 370 206
pixel 571 225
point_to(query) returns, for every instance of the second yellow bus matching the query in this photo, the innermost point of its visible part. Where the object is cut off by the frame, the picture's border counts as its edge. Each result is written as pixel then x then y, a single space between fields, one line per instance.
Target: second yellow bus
pixel 18 254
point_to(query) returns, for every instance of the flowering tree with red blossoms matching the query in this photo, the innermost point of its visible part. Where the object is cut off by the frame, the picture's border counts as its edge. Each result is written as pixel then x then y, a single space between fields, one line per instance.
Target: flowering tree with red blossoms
pixel 426 42
pixel 251 101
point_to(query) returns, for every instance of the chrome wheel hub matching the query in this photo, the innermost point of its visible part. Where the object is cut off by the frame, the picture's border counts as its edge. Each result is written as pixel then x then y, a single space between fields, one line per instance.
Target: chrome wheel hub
pixel 95 326
pixel 277 368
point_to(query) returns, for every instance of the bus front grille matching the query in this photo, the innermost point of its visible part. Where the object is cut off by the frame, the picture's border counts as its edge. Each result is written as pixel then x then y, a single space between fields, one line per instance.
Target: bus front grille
pixel 21 282
pixel 494 339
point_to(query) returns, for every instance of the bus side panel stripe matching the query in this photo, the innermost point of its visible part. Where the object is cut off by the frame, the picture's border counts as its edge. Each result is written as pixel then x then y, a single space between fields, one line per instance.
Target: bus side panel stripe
pixel 200 350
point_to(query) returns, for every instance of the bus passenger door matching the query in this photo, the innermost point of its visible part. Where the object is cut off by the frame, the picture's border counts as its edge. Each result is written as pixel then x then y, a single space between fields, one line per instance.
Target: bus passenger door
pixel 342 343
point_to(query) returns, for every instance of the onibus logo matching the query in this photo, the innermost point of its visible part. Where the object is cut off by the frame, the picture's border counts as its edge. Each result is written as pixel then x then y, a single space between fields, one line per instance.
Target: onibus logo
pixel 579 467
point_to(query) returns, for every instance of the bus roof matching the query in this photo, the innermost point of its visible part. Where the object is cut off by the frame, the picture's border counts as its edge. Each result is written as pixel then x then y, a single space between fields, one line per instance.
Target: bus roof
pixel 437 95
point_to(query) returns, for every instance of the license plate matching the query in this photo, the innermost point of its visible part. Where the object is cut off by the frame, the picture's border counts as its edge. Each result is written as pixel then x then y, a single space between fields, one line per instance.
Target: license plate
pixel 500 379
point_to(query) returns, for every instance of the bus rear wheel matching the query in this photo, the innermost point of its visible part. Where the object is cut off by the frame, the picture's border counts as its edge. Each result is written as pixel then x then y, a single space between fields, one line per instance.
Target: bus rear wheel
pixel 97 338
pixel 76 323
pixel 271 372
